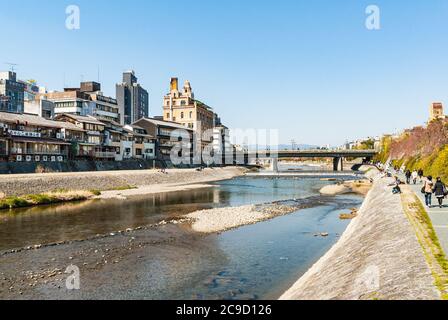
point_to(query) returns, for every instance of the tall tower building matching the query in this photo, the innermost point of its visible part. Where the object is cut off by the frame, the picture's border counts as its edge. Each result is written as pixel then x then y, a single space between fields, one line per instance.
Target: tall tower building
pixel 183 108
pixel 133 100
pixel 436 111
pixel 12 91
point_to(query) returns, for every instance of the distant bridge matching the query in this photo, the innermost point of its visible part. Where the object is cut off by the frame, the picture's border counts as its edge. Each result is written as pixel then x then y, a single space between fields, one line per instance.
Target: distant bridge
pixel 337 155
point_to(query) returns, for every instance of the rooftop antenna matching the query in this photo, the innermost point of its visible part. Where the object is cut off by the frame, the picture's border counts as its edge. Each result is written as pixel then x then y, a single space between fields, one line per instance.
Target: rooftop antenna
pixel 98 73
pixel 12 65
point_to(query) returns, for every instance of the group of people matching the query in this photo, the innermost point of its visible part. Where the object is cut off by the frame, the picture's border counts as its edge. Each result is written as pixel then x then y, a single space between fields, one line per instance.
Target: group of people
pixel 430 188
pixel 414 176
pixel 438 189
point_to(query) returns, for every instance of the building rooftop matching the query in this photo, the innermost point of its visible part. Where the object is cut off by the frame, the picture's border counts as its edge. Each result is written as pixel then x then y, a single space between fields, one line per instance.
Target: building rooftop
pixel 86 119
pixel 36 121
pixel 165 123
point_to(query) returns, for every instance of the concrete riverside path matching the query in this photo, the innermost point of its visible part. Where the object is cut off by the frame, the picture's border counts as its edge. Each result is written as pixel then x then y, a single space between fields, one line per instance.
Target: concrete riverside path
pixel 438 216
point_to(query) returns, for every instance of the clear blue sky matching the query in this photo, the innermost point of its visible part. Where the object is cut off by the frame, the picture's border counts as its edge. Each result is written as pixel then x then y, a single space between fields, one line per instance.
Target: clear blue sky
pixel 308 68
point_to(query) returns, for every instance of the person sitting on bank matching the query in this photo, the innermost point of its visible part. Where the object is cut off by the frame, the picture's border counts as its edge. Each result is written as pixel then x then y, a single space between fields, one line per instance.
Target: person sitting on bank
pixel 396 186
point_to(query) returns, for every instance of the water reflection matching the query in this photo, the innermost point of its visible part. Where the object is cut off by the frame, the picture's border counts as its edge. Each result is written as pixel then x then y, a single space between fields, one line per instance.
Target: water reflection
pixel 74 221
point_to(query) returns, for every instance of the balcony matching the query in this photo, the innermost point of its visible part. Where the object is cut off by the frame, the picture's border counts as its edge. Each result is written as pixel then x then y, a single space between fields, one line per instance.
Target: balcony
pixel 112 143
pixel 36 153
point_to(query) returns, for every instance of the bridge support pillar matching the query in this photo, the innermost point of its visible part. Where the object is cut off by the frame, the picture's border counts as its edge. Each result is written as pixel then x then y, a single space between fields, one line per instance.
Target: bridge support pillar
pixel 274 165
pixel 338 164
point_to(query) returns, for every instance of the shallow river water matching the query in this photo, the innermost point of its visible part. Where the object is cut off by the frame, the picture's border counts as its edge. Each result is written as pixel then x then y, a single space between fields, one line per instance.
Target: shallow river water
pixel 253 262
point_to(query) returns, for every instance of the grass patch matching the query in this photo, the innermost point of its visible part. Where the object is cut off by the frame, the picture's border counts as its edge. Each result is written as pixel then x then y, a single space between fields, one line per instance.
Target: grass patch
pixel 14 202
pixel 427 237
pixel 44 199
pixel 41 199
pixel 122 188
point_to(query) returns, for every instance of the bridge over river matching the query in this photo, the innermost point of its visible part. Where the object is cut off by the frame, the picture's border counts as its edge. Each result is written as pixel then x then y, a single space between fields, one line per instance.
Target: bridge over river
pixel 337 155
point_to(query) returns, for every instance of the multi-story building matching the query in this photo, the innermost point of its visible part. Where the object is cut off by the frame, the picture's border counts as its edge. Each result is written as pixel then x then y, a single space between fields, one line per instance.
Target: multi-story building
pixel 167 134
pixel 4 102
pixel 105 107
pixel 128 142
pixel 132 99
pixel 29 138
pixel 40 107
pixel 116 140
pixel 144 145
pixel 88 100
pixel 69 101
pixel 34 102
pixel 91 144
pixel 14 90
pixel 436 111
pixel 31 89
pixel 221 142
pixel 183 108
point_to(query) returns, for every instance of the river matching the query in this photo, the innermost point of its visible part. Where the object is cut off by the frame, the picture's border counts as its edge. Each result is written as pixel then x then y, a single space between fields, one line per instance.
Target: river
pixel 171 262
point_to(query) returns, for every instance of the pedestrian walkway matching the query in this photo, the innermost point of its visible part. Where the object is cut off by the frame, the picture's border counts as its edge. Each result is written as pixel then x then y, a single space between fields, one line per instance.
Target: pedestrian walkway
pixel 438 216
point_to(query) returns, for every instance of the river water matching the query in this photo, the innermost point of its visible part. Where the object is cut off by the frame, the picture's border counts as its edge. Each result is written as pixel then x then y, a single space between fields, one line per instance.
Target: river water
pixel 254 262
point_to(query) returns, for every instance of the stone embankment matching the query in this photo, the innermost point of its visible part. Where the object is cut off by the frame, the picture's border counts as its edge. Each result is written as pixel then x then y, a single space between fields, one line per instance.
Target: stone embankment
pixel 25 184
pixel 378 257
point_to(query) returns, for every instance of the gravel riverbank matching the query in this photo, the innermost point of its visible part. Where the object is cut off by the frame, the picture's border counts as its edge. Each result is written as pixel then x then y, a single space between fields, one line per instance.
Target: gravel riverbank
pixel 143 182
pixel 378 257
pixel 218 220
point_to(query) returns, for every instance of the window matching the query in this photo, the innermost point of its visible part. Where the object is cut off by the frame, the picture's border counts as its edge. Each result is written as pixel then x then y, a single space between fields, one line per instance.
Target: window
pixel 94 140
pixel 181 115
pixel 168 115
pixel 191 114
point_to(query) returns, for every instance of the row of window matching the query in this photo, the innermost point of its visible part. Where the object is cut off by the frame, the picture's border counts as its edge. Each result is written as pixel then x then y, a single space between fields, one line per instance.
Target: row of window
pixel 181 103
pixel 182 115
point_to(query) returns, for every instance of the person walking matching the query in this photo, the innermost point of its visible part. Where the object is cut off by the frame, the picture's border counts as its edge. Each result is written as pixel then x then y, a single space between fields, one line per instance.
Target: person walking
pixel 427 190
pixel 420 175
pixel 439 191
pixel 414 176
pixel 408 175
